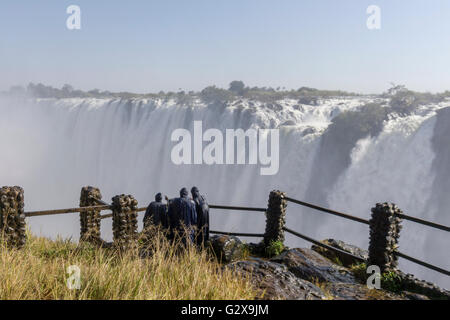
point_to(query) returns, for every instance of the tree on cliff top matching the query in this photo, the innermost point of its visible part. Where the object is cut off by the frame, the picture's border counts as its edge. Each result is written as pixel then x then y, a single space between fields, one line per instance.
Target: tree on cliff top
pixel 237 87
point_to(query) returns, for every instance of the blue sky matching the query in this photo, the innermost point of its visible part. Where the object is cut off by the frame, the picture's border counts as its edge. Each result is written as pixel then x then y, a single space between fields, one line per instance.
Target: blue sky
pixel 153 45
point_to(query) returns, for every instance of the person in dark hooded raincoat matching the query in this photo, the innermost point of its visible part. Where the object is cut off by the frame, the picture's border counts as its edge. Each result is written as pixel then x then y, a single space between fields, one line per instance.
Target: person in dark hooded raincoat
pixel 202 209
pixel 156 213
pixel 182 214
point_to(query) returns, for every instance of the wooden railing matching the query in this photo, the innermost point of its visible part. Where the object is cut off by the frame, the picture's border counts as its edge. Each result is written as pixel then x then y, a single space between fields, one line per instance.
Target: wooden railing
pixel 381 252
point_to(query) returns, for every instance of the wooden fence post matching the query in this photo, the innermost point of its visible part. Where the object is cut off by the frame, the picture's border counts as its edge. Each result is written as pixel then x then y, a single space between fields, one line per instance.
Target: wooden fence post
pixel 12 217
pixel 275 218
pixel 384 234
pixel 124 221
pixel 90 220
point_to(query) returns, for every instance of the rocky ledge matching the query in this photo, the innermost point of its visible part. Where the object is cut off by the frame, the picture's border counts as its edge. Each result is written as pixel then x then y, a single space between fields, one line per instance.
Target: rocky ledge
pixel 315 274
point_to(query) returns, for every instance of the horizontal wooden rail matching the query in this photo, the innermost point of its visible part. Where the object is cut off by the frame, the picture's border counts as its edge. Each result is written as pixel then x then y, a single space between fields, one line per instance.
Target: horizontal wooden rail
pixel 336 213
pixel 213 206
pixel 109 215
pixel 316 242
pixel 105 206
pixel 105 216
pixel 101 202
pixel 424 222
pixel 422 263
pixel 64 211
pixel 256 235
pixel 399 254
pixel 347 216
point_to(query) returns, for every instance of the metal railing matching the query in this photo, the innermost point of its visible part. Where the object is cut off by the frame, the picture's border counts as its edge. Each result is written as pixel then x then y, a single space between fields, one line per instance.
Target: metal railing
pixel 363 221
pixel 103 206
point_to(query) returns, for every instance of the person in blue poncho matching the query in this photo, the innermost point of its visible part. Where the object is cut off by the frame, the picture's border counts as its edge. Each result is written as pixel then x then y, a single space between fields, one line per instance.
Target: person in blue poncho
pixel 156 214
pixel 202 209
pixel 183 217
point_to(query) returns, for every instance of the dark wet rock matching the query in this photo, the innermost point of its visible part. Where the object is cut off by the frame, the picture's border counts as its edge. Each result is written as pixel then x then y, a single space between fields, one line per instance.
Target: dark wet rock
pixel 414 289
pixel 308 100
pixel 256 249
pixel 346 260
pixel 227 248
pixel 274 106
pixel 309 130
pixel 409 283
pixel 311 266
pixel 306 274
pixel 288 123
pixel 275 281
pixel 348 291
pixel 414 296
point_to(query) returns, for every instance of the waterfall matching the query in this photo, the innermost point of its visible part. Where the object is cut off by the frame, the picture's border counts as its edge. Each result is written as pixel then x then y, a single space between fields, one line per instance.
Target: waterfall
pixel 53 147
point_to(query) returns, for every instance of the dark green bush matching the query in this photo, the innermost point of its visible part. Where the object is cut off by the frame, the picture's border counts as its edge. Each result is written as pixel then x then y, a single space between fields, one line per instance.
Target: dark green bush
pixel 275 248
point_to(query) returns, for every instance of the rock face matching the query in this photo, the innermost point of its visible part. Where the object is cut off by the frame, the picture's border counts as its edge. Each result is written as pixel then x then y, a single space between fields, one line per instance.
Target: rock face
pixel 227 248
pixel 312 274
pixel 346 260
pixel 275 281
pixel 309 265
pixel 420 288
pixel 349 291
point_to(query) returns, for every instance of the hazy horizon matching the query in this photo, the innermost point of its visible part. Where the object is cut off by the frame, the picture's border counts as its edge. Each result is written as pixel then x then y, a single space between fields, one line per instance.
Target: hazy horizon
pixel 149 46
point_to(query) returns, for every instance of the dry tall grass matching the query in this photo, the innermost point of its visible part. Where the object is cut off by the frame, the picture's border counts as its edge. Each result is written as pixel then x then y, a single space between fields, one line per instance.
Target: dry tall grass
pixel 39 271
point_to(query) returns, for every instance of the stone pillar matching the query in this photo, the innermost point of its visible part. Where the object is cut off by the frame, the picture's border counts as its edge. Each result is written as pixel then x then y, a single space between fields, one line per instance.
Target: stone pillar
pixel 275 218
pixel 384 234
pixel 12 217
pixel 90 220
pixel 124 221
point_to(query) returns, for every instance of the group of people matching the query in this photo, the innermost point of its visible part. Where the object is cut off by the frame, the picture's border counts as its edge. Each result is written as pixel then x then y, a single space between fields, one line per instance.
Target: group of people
pixel 185 216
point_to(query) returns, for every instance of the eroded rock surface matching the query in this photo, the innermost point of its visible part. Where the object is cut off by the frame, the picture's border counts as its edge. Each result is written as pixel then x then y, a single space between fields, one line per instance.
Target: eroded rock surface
pixel 275 281
pixel 313 274
pixel 227 248
pixel 420 287
pixel 346 260
pixel 349 291
pixel 309 265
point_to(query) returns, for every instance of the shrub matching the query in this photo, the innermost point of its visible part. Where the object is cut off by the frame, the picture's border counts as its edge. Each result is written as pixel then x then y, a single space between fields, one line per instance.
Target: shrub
pixel 391 281
pixel 212 94
pixel 360 272
pixel 405 102
pixel 275 248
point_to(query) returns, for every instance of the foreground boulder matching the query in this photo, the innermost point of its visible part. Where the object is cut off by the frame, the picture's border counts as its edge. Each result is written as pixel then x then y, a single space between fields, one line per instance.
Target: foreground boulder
pixel 351 291
pixel 275 281
pixel 344 259
pixel 317 273
pixel 309 265
pixel 412 286
pixel 227 248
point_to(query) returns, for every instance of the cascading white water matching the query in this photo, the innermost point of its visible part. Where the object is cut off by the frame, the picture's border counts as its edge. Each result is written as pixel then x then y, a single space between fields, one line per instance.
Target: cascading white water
pixel 54 147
